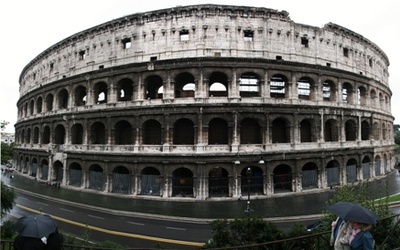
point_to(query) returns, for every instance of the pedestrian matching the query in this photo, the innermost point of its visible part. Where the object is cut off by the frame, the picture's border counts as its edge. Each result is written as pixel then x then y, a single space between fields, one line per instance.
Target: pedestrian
pixel 54 241
pixel 28 243
pixel 361 237
pixel 341 231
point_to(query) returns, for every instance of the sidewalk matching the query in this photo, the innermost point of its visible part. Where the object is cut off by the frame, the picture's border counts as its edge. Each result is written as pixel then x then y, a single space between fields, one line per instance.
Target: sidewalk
pixel 287 205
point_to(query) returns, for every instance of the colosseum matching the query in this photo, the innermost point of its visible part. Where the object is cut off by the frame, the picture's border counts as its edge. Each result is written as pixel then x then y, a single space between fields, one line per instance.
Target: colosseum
pixel 206 102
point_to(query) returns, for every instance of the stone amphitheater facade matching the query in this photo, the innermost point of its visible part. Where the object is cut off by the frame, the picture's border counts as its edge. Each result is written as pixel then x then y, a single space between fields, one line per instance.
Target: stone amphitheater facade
pixel 206 102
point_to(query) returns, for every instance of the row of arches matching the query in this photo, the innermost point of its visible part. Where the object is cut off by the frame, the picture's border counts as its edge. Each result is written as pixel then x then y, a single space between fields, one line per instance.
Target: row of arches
pixel 249 84
pixel 184 131
pixel 218 181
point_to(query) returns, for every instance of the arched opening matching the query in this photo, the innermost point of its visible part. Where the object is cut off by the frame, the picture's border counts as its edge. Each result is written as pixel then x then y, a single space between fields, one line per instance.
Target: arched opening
pixel 333 174
pixel 31 107
pixel 304 87
pixel 250 131
pixel 362 96
pixel 36 135
pixel 75 175
pixel 347 93
pixel 100 93
pixel 152 132
pixel 124 90
pixel 77 134
pixel 364 130
pixel 328 91
pixel 218 131
pixel 309 177
pixel 154 87
pixel 58 172
pixel 39 104
pixel 123 133
pixel 252 181
pixel 218 182
pixel 282 178
pixel 151 181
pixel 46 135
pixel 49 102
pixel 350 130
pixel 218 85
pixel 34 167
pixel 80 96
pixel 96 177
pixel 184 85
pixel 331 132
pixel 366 167
pixel 28 135
pixel 278 85
pixel 62 98
pixel 306 134
pixel 97 133
pixel 44 170
pixel 182 183
pixel 351 170
pixel 249 85
pixel 59 135
pixel 121 180
pixel 183 132
pixel 280 131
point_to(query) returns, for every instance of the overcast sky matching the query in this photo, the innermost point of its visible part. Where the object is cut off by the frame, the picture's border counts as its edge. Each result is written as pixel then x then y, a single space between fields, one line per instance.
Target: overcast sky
pixel 29 27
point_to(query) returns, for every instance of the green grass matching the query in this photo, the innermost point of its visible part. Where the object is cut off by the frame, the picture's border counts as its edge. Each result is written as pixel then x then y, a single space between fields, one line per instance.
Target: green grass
pixel 394 198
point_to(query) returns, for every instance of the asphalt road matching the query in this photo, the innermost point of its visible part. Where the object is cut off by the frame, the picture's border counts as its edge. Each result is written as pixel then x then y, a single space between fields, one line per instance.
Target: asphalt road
pixel 137 229
pixel 126 228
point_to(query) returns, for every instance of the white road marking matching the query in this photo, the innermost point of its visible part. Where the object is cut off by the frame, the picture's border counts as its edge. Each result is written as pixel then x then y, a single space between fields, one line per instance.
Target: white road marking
pixel 135 223
pixel 176 228
pixel 97 217
pixel 67 210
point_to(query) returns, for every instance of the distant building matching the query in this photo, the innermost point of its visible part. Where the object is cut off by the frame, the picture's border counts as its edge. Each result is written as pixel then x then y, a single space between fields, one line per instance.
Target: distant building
pixel 7 137
pixel 206 102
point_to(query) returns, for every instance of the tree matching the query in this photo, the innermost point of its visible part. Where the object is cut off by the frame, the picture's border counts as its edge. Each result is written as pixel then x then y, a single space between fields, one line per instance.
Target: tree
pixel 3 124
pixel 7 151
pixel 7 199
pixel 242 231
pixel 396 130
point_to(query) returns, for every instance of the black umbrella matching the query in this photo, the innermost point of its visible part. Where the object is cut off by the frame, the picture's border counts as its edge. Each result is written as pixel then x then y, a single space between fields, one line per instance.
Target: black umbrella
pixel 35 225
pixel 353 212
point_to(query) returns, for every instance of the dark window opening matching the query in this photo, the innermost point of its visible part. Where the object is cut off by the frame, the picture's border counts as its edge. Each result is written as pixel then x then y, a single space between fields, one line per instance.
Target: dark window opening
pixel 183 132
pixel 152 133
pixel 328 64
pixel 248 35
pixel 153 58
pixel 184 35
pixel 346 52
pixel 82 55
pixel 278 58
pixel 126 43
pixel 101 67
pixel 304 41
pixel 217 131
pixel 370 63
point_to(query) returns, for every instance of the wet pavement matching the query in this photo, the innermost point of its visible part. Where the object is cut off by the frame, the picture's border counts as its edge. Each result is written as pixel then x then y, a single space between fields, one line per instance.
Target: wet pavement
pixel 282 205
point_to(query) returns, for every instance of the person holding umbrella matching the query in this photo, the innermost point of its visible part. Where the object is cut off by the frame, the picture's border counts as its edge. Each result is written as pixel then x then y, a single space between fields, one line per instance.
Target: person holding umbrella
pixel 361 220
pixel 32 230
pixel 361 237
pixel 341 231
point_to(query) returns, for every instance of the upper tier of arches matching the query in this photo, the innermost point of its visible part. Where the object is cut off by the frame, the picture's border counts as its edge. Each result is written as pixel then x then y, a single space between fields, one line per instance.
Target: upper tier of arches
pixel 207 85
